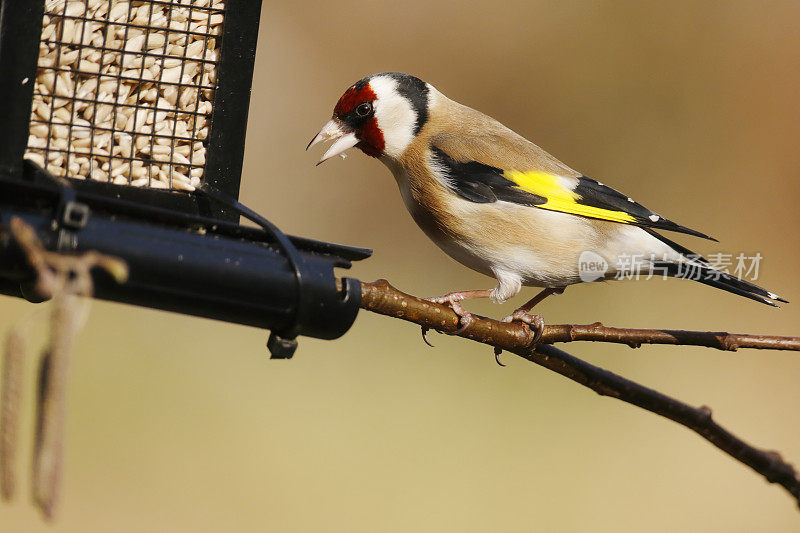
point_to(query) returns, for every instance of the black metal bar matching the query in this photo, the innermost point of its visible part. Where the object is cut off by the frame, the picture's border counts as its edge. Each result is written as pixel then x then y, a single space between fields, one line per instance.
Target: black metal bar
pixel 198 274
pixel 20 27
pixel 232 97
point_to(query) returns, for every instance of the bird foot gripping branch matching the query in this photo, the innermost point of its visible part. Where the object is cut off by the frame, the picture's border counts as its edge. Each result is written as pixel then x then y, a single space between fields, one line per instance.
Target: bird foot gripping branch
pixel 533 323
pixel 382 298
pixel 452 300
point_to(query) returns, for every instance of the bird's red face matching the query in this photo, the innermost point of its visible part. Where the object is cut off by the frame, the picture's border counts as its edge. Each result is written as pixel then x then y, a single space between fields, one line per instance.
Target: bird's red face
pixel 380 115
pixel 356 109
pixel 353 124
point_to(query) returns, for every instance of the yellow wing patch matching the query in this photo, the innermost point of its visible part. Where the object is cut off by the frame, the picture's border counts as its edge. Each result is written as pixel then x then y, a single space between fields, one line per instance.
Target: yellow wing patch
pixel 560 198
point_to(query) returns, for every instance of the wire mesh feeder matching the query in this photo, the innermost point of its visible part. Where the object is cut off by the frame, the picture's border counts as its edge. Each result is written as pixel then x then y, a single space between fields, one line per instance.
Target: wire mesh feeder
pixel 123 126
pixel 122 129
pixel 124 90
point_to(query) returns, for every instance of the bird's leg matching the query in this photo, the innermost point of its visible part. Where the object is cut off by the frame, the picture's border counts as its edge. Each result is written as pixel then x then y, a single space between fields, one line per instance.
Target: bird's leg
pixel 452 300
pixel 522 314
pixel 525 309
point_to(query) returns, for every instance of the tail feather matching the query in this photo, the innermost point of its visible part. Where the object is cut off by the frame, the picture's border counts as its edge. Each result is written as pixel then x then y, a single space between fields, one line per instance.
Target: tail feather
pixel 677 247
pixel 707 275
pixel 697 267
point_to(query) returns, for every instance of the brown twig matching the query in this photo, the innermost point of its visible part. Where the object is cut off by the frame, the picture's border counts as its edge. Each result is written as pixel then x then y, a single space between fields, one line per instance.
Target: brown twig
pixel 636 337
pixel 380 297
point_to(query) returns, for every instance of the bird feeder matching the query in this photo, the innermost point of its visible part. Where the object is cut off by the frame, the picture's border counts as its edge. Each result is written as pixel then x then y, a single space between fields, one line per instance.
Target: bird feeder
pixel 122 127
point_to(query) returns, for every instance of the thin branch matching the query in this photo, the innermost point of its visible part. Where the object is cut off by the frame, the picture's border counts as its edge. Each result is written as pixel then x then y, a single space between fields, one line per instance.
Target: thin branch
pixel 380 297
pixel 634 338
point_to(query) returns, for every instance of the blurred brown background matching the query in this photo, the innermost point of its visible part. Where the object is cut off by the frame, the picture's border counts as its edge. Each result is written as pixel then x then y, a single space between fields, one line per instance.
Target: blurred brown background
pixel 180 424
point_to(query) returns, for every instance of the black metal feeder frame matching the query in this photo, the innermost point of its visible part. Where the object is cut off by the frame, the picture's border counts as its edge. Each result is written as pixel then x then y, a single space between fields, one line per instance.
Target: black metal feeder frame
pixel 170 78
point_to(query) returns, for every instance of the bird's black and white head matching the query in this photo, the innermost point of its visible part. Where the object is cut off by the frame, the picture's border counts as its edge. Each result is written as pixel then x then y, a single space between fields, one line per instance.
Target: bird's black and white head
pixel 381 115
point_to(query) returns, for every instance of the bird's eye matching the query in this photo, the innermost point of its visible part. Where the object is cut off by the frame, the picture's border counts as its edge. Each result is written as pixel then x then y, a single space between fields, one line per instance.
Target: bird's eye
pixel 364 109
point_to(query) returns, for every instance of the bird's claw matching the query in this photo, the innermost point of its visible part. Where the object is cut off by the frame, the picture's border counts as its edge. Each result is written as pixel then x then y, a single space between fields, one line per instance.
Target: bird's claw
pixel 465 318
pixel 447 299
pixel 535 322
pixel 425 331
pixel 497 352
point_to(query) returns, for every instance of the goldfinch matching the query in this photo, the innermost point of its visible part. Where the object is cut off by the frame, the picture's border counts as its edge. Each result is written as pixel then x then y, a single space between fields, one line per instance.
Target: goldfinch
pixel 498 204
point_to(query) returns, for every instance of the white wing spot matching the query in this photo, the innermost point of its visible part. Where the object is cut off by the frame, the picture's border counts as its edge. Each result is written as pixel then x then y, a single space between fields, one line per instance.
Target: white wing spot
pixel 631 200
pixel 654 218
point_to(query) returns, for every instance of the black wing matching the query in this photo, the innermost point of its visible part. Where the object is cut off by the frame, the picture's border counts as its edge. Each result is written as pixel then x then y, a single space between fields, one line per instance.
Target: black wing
pixel 589 198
